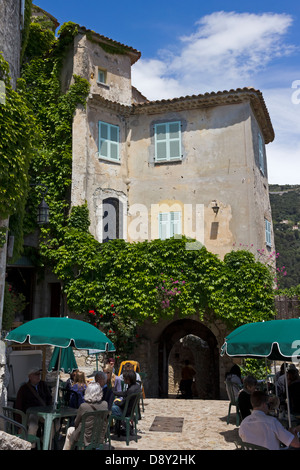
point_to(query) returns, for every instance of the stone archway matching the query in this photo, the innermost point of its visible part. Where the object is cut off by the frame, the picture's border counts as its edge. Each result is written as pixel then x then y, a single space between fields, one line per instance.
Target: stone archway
pixel 173 333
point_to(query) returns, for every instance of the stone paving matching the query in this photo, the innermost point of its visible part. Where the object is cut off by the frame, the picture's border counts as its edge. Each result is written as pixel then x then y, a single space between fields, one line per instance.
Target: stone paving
pixel 204 426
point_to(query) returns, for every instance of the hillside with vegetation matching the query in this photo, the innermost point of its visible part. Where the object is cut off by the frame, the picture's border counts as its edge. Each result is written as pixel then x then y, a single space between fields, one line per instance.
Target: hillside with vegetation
pixel 285 204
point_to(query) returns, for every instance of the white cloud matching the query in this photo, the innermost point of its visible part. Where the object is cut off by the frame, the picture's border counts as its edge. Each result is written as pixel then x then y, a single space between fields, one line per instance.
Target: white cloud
pixel 226 50
pixel 284 162
pixel 232 50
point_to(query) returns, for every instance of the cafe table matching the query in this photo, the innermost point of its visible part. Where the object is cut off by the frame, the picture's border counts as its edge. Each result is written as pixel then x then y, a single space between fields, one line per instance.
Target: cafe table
pixel 49 414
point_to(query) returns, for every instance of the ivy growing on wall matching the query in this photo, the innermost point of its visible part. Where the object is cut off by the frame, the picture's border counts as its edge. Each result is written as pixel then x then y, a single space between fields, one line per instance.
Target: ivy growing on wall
pixel 17 130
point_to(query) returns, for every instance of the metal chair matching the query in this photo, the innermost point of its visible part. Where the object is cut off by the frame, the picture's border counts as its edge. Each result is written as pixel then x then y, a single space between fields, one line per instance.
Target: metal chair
pixel 100 420
pixel 13 426
pixel 133 417
pixel 232 389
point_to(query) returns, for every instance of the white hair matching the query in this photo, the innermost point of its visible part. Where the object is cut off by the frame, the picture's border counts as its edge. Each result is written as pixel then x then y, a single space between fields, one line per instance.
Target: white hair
pixel 93 393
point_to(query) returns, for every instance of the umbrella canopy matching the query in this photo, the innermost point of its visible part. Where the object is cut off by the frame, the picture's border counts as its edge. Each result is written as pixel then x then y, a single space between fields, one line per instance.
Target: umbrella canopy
pixel 277 340
pixel 62 332
pixel 67 360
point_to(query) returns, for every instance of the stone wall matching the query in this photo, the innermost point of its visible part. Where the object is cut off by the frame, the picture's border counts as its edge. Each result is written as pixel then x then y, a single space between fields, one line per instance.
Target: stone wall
pixel 287 307
pixel 9 442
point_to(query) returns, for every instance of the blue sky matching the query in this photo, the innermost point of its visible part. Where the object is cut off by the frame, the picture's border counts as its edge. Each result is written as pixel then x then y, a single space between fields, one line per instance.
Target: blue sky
pixel 191 48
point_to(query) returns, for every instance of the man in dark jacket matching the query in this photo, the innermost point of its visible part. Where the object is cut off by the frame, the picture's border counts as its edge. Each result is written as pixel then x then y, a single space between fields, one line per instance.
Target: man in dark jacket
pixel 35 392
pixel 133 387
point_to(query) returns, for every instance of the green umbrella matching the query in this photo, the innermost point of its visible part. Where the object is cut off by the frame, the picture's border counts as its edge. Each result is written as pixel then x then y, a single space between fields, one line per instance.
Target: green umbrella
pixel 61 332
pixel 67 360
pixel 277 340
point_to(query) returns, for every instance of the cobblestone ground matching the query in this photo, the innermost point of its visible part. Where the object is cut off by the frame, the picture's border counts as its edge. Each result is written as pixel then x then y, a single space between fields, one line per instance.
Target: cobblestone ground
pixel 204 426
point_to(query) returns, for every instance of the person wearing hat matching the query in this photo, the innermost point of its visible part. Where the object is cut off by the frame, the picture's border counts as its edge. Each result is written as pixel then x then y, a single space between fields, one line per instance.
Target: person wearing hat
pixel 35 392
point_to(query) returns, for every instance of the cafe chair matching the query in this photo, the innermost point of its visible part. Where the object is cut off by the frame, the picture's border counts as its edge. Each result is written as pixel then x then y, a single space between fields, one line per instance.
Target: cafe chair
pixel 249 446
pixel 133 417
pixel 14 428
pixel 100 419
pixel 232 389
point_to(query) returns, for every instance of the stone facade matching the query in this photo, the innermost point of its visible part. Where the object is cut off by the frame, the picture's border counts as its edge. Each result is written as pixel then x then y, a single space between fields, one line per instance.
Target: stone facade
pixel 221 163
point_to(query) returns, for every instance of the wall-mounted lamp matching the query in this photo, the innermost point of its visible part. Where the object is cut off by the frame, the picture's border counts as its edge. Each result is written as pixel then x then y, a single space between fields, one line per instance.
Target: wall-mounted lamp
pixel 215 207
pixel 43 208
pixel 43 213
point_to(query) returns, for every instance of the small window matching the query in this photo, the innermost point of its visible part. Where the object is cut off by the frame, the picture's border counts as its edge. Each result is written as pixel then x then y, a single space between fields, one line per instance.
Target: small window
pixel 261 154
pixel 167 141
pixel 268 233
pixel 108 141
pixel 102 75
pixel 169 224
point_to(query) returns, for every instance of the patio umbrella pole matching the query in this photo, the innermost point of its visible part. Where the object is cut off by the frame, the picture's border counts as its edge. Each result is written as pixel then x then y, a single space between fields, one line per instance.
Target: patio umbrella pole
pixel 57 380
pixel 287 396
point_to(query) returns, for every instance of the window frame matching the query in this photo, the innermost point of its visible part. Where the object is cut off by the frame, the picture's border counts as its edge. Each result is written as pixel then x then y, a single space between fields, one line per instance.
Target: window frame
pixel 261 153
pixel 268 233
pixel 169 224
pixel 168 141
pixel 108 141
pixel 104 71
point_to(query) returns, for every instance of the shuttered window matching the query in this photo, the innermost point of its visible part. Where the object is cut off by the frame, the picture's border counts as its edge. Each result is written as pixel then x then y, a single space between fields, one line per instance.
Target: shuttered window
pixel 167 141
pixel 261 154
pixel 268 233
pixel 108 141
pixel 169 224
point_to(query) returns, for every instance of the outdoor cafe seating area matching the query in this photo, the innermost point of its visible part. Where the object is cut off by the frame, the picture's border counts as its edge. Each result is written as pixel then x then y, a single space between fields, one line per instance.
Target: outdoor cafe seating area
pixel 47 415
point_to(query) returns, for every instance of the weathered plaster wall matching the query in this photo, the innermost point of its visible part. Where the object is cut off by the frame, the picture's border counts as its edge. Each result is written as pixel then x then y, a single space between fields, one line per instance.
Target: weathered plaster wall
pixel 10 36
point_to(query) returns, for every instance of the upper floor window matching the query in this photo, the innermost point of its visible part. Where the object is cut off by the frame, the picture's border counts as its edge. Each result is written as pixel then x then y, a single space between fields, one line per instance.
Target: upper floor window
pixel 261 154
pixel 167 141
pixel 102 76
pixel 169 224
pixel 108 141
pixel 268 233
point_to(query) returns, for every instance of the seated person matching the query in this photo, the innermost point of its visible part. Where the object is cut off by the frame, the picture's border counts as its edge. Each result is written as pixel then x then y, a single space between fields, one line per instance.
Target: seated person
pixel 293 380
pixel 93 401
pixel 113 381
pixel 263 430
pixel 127 367
pixel 234 377
pixel 35 392
pixel 77 390
pixel 108 395
pixel 244 401
pixel 132 387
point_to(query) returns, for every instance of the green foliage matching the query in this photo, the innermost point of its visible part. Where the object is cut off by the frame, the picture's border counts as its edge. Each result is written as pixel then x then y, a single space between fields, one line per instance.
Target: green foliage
pixel 285 204
pixel 255 367
pixel 13 303
pixel 17 130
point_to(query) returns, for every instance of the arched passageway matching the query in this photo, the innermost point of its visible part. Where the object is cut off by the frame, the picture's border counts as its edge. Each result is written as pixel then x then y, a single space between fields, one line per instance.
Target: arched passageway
pixel 208 376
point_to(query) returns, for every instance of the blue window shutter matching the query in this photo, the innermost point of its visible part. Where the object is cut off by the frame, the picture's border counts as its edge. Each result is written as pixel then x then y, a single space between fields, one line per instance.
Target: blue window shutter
pixel 169 224
pixel 268 233
pixel 175 224
pixel 261 154
pixel 108 141
pixel 164 225
pixel 167 141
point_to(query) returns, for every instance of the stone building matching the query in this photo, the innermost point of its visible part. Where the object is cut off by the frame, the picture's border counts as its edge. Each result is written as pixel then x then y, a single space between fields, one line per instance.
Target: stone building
pixel 193 165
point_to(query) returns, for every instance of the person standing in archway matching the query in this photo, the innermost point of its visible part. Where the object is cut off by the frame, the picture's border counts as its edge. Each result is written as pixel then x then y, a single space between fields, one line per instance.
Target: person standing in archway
pixel 187 376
